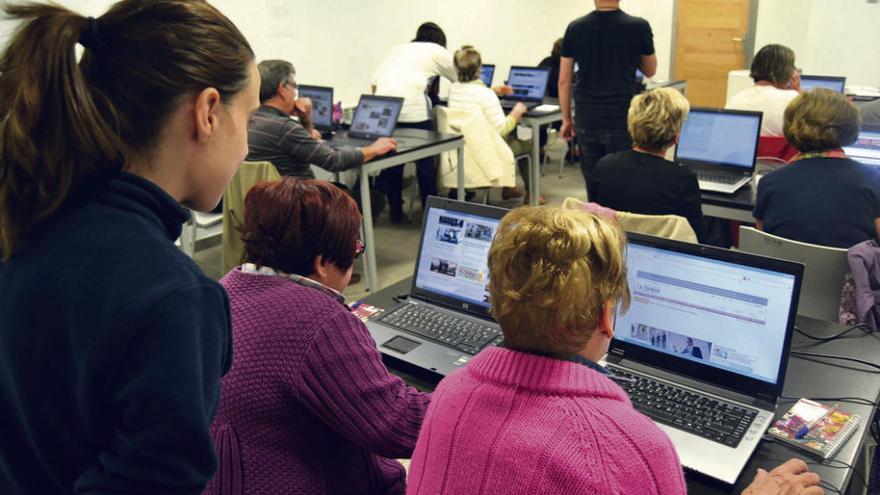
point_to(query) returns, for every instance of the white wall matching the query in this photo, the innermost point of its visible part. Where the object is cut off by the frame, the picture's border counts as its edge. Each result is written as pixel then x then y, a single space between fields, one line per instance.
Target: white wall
pixel 830 37
pixel 339 43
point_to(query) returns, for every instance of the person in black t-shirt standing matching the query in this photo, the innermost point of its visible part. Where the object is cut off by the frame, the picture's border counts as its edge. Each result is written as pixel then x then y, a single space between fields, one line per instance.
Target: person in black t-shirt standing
pixel 608 45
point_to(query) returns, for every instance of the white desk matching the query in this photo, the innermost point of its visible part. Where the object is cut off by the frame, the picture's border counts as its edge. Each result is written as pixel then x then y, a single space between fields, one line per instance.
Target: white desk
pixel 535 120
pixel 422 144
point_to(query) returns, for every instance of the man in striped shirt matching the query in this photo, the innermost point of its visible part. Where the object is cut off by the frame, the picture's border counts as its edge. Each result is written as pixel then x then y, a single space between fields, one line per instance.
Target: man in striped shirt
pixel 293 146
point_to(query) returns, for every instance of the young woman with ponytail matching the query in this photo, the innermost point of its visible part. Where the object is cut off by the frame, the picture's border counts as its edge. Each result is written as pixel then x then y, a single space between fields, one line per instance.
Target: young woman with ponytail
pixel 112 342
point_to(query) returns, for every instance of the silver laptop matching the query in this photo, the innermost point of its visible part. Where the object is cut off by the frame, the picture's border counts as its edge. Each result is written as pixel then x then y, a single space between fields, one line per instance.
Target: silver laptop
pixel 445 319
pixel 866 149
pixel 833 83
pixel 721 146
pixel 529 86
pixel 704 346
pixel 487 74
pixel 322 107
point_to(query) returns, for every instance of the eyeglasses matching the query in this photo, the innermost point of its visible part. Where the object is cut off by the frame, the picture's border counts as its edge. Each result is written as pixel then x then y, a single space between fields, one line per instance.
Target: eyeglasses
pixel 359 248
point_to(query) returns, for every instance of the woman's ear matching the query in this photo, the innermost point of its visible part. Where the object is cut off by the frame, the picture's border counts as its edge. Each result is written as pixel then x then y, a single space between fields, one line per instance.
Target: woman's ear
pixel 320 266
pixel 606 320
pixel 205 113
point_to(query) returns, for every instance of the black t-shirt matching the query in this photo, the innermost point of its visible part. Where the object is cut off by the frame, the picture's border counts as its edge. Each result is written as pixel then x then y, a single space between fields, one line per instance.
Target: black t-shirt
pixel 827 201
pixel 648 184
pixel 608 48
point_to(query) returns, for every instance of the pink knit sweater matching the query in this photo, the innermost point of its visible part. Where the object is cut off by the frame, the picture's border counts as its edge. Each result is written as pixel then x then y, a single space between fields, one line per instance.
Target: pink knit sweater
pixel 308 407
pixel 517 423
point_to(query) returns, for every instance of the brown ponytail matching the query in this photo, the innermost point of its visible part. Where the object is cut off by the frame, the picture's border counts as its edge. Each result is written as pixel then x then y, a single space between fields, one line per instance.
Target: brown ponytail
pixel 62 122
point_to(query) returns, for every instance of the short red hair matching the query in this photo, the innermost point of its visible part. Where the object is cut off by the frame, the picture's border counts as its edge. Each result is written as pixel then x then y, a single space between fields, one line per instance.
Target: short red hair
pixel 290 222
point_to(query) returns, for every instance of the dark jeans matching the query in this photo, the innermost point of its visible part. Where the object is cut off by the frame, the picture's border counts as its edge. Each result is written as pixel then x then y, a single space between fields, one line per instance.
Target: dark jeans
pixel 426 173
pixel 596 143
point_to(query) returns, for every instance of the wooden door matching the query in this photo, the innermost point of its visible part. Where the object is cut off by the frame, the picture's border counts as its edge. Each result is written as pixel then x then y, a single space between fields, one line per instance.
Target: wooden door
pixel 709 43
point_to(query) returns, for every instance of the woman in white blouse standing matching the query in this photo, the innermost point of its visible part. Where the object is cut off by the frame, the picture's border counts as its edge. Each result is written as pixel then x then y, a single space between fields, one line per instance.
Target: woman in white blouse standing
pixel 407 72
pixel 471 94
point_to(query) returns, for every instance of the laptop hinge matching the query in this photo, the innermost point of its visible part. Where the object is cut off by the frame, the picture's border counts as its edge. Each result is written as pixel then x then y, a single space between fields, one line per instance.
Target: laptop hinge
pixel 770 399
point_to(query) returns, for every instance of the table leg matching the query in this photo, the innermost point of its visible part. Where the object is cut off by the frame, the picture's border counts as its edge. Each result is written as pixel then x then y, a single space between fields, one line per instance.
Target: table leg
pixel 372 274
pixel 461 173
pixel 535 168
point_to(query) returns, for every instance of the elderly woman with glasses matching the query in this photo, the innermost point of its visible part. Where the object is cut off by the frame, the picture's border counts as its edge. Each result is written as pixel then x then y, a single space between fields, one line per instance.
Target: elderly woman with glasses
pixel 308 406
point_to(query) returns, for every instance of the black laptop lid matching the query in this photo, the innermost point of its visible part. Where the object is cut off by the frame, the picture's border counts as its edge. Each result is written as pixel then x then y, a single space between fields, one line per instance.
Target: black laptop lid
pixel 718 139
pixel 452 265
pixel 487 74
pixel 322 105
pixel 715 315
pixel 375 116
pixel 833 83
pixel 528 83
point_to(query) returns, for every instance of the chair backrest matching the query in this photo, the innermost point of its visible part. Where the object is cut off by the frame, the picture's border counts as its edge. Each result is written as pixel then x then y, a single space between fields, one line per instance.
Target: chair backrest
pixel 673 227
pixel 248 174
pixel 824 272
pixel 488 159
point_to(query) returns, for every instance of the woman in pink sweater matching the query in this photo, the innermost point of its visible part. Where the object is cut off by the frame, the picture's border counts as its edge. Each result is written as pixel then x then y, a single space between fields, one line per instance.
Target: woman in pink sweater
pixel 539 415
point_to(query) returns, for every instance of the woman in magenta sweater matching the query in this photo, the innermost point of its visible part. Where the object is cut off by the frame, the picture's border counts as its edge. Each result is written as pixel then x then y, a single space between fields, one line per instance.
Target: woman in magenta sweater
pixel 308 406
pixel 539 415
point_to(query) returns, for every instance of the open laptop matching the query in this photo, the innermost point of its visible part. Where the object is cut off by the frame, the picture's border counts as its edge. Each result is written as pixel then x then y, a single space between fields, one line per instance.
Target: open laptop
pixel 487 74
pixel 721 146
pixel 375 117
pixel 529 86
pixel 322 107
pixel 866 149
pixel 828 82
pixel 445 320
pixel 704 346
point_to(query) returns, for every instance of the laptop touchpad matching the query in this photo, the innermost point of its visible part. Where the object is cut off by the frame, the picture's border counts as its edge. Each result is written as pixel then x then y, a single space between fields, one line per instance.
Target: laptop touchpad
pixel 401 344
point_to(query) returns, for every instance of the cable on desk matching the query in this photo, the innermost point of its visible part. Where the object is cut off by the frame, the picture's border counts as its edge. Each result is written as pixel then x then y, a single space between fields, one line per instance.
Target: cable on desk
pixel 828 486
pixel 844 466
pixel 860 326
pixel 803 354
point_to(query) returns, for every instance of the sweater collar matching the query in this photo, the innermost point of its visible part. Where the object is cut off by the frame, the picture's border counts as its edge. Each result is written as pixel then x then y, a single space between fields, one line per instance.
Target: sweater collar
pixel 543 374
pixel 138 195
pixel 299 279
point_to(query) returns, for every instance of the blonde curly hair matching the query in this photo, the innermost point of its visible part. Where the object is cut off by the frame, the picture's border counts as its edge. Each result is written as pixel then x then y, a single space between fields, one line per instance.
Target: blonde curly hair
pixel 551 272
pixel 656 117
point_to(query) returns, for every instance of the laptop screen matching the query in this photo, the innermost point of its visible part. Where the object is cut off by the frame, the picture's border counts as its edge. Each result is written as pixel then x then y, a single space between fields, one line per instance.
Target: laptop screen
pixel 720 137
pixel 322 105
pixel 528 83
pixel 867 148
pixel 716 313
pixel 376 116
pixel 833 83
pixel 487 74
pixel 453 261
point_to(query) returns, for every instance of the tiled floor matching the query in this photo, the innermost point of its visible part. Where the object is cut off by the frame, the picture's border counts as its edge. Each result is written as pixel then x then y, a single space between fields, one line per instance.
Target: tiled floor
pixel 397 244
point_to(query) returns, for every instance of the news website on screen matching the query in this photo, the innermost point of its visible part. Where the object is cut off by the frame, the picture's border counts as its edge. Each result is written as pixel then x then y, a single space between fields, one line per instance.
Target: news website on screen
pixel 713 312
pixel 454 257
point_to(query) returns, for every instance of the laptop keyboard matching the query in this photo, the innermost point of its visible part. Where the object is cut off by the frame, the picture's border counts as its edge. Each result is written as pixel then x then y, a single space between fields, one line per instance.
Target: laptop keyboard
pixel 458 333
pixel 718 178
pixel 717 420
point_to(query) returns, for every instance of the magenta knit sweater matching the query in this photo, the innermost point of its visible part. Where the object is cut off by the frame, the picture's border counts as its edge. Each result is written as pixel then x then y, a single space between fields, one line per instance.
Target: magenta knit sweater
pixel 517 423
pixel 308 407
